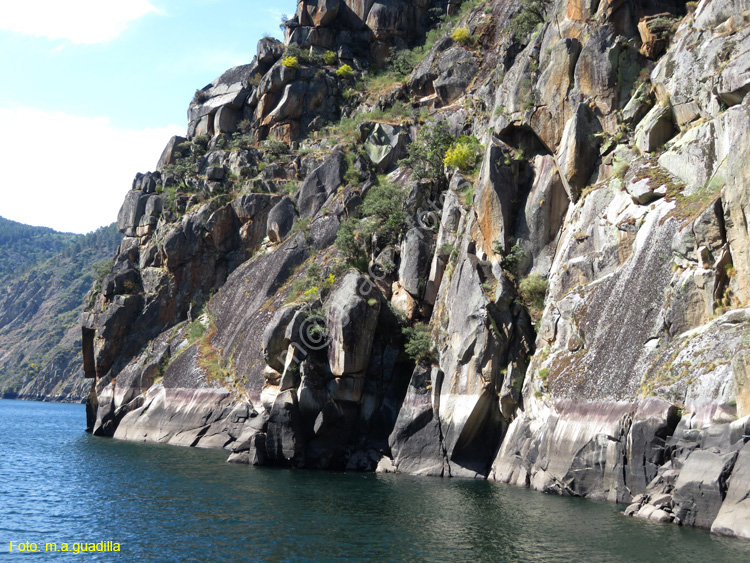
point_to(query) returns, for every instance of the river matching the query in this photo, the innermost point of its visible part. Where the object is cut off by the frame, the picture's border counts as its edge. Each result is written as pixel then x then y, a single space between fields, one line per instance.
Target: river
pixel 59 485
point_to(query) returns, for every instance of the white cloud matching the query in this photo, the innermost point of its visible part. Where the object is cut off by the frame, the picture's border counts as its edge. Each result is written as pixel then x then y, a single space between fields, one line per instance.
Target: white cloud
pixel 69 172
pixel 78 21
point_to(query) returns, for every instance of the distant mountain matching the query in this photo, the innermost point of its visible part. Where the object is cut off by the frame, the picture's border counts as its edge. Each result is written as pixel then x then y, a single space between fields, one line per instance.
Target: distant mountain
pixel 44 277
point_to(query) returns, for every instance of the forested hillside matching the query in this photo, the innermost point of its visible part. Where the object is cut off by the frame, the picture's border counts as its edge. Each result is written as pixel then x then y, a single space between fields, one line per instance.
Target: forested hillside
pixel 44 276
pixel 23 246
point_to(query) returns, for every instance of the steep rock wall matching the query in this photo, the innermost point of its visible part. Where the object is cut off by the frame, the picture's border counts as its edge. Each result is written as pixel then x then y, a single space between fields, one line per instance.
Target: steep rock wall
pixel 574 308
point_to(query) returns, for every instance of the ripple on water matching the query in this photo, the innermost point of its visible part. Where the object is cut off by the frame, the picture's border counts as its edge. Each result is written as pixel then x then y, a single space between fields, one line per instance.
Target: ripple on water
pixel 167 504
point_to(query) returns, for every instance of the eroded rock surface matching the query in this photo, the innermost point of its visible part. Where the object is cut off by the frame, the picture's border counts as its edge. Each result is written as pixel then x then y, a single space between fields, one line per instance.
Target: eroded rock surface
pixel 566 312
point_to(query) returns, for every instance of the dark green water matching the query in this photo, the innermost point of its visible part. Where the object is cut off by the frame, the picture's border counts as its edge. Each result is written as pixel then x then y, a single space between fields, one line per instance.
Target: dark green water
pixel 162 503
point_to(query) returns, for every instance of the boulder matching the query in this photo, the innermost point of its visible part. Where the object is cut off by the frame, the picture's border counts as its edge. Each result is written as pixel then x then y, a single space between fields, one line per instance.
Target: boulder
pixel 146 182
pixel 692 157
pixel 269 51
pixel 291 104
pixel 403 301
pixel 416 438
pixel 415 261
pixel 734 515
pixel 385 145
pixel 285 438
pixel 151 214
pixel 133 210
pixel 215 173
pixel 654 31
pixel 579 149
pixel 226 120
pixel 456 70
pixel 320 184
pixel 323 231
pixel 252 212
pixel 274 341
pixel 352 312
pixel 701 487
pixel 280 220
pixel 655 129
pixel 318 13
pixel 644 191
pixel 230 90
pixel 170 152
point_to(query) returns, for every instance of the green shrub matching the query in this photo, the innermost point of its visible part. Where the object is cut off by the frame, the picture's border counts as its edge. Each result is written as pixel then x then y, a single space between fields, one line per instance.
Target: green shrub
pixel 276 147
pixel 349 243
pixel 427 153
pixel 459 156
pixel 312 285
pixel 290 62
pixel 419 346
pixel 512 260
pixel 102 269
pixel 294 50
pixel 532 290
pixel 461 35
pixel 463 154
pixel 401 63
pixel 195 331
pixel 383 217
pixel 345 72
pixel 311 294
pixel 531 15
pixel 384 205
pixel 330 58
pixel 200 96
pixel 467 195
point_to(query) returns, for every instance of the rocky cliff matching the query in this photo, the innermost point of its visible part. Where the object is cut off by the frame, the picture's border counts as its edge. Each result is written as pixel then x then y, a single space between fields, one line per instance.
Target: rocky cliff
pixel 504 240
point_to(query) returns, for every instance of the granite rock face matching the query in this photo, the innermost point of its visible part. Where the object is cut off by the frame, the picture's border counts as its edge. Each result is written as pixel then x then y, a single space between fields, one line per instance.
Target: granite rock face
pixel 569 314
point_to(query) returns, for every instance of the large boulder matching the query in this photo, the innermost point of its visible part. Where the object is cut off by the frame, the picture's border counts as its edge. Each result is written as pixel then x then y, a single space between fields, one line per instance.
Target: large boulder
pixel 318 13
pixel 252 211
pixel 352 313
pixel 285 439
pixel 456 70
pixel 170 151
pixel 274 341
pixel 280 220
pixel 229 90
pixel 291 105
pixel 701 487
pixel 655 129
pixel 385 146
pixel 269 51
pixel 734 516
pixel 416 438
pixel 320 184
pixel 138 210
pixel 415 261
pixel 579 149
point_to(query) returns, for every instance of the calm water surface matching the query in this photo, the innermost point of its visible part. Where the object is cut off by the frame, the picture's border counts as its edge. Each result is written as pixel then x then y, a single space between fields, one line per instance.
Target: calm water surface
pixel 170 504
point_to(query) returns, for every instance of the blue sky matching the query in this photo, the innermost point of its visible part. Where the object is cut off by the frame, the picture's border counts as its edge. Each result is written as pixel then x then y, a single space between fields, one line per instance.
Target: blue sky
pixel 91 91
